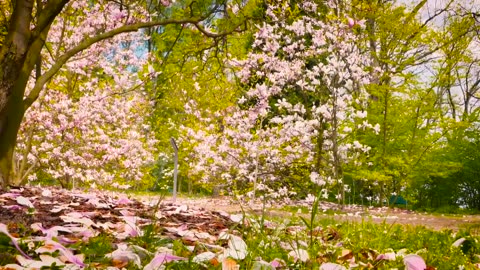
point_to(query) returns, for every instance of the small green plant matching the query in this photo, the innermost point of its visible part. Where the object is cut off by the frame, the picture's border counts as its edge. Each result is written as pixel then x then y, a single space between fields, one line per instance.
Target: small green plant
pixel 96 248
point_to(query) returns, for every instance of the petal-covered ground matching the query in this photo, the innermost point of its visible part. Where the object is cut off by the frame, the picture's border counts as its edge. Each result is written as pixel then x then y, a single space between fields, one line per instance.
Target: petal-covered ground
pixel 49 228
pixel 341 213
pixel 54 219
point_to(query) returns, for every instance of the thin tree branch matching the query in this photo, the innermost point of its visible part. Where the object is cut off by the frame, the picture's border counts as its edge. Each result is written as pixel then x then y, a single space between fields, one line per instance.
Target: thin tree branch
pixel 86 43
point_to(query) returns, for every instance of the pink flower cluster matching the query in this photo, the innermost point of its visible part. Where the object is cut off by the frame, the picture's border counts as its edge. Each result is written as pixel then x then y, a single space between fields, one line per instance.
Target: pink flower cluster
pixel 317 60
pixel 90 124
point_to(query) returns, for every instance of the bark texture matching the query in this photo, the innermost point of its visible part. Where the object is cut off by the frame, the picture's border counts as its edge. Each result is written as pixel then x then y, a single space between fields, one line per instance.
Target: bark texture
pixel 18 55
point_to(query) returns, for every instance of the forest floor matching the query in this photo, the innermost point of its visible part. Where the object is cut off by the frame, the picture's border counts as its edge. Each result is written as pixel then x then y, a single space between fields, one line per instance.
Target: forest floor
pixel 52 207
pixel 354 213
pixel 83 219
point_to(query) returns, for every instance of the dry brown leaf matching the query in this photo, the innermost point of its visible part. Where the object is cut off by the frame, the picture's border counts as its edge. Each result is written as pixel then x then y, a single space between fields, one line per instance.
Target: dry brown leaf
pixel 229 264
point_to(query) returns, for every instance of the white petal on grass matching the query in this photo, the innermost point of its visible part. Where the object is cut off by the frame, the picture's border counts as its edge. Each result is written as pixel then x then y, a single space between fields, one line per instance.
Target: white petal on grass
pixel 161 259
pixel 262 265
pixel 49 260
pixel 237 248
pixel 25 202
pixel 143 253
pixel 52 246
pixel 402 252
pixel 46 261
pixel 299 254
pixel 224 236
pixel 414 262
pixel 459 242
pixel 125 256
pixel 236 218
pixel 204 257
pixel 332 266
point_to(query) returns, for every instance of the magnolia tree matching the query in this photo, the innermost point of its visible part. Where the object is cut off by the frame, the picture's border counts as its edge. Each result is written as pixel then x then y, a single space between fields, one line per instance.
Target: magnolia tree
pixel 34 27
pixel 304 104
pixel 89 126
pixel 97 139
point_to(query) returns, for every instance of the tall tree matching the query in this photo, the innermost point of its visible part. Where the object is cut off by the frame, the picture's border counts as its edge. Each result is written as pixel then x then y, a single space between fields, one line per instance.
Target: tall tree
pixel 403 100
pixel 28 24
pixel 304 81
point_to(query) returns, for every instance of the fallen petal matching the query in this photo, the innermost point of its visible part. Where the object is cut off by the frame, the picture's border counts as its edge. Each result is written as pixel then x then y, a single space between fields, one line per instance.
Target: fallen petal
pixel 459 242
pixel 203 257
pixel 262 265
pixel 237 248
pixel 414 262
pixel 299 254
pixel 25 202
pixel 12 207
pixel 123 201
pixel 278 263
pixel 389 256
pixel 332 266
pixel 46 193
pixel 124 256
pixel 51 246
pixel 161 259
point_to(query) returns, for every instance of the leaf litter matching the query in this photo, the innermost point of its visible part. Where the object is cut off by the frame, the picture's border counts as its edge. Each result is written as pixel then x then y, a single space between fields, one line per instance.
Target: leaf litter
pixel 49 226
pixel 55 222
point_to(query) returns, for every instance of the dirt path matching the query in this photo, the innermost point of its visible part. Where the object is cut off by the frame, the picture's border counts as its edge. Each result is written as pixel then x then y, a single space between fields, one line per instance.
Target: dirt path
pixel 352 213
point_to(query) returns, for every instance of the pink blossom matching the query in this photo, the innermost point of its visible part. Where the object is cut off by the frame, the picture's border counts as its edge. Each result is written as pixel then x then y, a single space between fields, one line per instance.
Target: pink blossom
pixel 161 259
pixel 414 262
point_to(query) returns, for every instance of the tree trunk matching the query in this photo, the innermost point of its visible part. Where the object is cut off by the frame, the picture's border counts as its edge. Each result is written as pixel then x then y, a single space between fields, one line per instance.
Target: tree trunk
pixel 10 118
pixel 18 55
pixel 20 52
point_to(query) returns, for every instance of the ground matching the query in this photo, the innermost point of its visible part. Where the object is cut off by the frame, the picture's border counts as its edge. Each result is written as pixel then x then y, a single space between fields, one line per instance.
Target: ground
pixel 350 213
pixel 45 220
pixel 107 207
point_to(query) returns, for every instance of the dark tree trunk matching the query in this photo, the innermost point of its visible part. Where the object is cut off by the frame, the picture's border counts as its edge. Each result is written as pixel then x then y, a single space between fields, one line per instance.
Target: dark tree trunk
pixel 18 55
pixel 20 52
pixel 13 80
pixel 10 119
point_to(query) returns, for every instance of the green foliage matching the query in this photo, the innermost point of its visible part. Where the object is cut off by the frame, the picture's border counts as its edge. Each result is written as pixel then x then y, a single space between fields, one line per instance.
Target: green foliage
pixel 336 242
pixel 150 239
pixel 97 247
pixel 6 250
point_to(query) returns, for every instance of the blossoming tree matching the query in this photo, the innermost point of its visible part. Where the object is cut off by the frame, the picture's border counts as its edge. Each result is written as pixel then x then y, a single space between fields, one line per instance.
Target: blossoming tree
pixel 88 126
pixel 304 102
pixel 30 29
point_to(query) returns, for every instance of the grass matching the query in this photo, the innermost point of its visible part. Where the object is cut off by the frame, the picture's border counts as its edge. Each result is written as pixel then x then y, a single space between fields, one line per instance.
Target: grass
pixel 365 240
